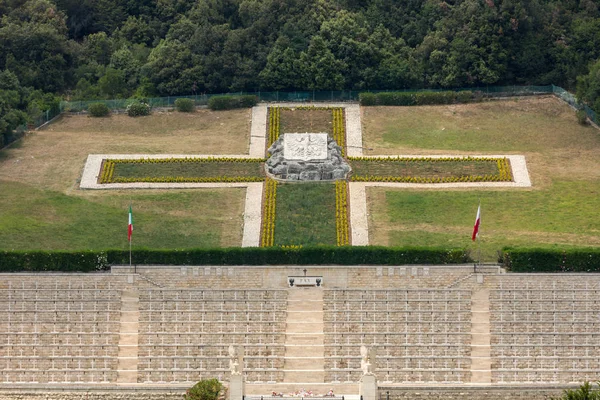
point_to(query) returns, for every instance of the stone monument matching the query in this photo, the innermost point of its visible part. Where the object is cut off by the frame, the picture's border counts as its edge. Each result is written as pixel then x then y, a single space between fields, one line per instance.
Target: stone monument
pixel 368 381
pixel 306 157
pixel 236 365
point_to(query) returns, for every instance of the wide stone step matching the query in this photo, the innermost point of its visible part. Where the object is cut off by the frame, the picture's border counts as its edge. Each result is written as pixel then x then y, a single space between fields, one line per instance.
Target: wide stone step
pixel 303 376
pixel 304 338
pixel 289 388
pixel 304 316
pixel 304 350
pixel 304 327
pixel 307 363
pixel 305 305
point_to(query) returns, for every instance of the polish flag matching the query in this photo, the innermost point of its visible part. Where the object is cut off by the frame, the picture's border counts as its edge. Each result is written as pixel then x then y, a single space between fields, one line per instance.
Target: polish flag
pixel 477 222
pixel 130 225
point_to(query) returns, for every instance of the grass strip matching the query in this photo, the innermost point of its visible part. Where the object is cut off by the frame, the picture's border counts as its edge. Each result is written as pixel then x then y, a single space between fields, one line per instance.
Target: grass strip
pixel 305 214
pixel 451 169
pixel 182 170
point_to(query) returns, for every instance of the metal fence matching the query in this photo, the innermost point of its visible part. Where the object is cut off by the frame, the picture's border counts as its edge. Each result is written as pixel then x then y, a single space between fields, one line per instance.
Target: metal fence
pixel 305 96
pixel 301 96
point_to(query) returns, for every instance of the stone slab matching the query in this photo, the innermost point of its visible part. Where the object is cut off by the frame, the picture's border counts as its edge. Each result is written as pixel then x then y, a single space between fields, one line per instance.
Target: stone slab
pixel 305 146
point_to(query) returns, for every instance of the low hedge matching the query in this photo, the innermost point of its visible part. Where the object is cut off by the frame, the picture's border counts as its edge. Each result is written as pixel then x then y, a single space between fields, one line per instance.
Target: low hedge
pixel 228 102
pixel 414 98
pixel 89 261
pixel 551 260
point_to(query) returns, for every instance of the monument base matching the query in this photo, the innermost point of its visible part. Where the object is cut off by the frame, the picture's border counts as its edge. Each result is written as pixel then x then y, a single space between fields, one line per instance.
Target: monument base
pixel 367 387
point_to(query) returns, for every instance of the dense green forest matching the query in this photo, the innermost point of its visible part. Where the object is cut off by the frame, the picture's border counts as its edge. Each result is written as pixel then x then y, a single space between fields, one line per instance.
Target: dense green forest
pixel 97 49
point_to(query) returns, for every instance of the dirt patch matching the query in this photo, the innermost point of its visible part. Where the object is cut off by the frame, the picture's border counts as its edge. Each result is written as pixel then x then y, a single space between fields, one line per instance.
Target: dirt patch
pixel 53 158
pixel 302 120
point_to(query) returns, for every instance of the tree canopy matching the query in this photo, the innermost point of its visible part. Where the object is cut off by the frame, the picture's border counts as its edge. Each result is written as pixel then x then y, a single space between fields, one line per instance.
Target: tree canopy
pixel 99 49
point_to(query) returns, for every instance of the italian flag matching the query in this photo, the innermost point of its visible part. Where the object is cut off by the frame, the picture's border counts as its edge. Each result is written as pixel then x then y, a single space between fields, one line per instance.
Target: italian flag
pixel 477 222
pixel 130 225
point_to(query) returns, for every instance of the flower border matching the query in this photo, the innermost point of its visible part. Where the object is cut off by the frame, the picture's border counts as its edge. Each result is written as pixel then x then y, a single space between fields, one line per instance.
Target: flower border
pixel 108 169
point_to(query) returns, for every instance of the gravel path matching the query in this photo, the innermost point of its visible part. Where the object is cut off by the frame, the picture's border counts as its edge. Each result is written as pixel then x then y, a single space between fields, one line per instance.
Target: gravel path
pixel 258 131
pixel 354 141
pixel 359 224
pixel 252 215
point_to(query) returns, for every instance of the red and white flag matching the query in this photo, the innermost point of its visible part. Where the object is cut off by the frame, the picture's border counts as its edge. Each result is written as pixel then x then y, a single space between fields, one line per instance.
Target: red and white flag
pixel 477 222
pixel 130 225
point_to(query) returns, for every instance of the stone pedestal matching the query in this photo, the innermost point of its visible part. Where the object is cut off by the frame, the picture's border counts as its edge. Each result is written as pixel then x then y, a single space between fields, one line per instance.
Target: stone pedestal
pixel 236 387
pixel 368 387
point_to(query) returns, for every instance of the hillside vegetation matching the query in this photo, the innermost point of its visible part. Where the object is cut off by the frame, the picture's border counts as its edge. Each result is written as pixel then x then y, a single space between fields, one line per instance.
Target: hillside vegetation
pixel 86 49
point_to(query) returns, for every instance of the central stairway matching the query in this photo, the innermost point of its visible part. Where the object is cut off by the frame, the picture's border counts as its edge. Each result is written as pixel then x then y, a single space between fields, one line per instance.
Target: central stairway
pixel 304 366
pixel 304 350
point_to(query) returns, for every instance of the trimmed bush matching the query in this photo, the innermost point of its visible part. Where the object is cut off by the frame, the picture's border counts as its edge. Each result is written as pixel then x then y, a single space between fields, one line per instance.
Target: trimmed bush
pixel 581 117
pixel 41 261
pixel 552 260
pixel 14 261
pixel 230 102
pixel 98 110
pixel 367 99
pixel 184 105
pixel 138 109
pixel 207 389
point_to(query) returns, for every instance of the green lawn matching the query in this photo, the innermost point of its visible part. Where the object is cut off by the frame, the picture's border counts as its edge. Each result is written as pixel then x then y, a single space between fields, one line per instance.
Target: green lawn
pixel 189 169
pixel 427 169
pixel 563 158
pixel 508 218
pixel 42 219
pixel 305 214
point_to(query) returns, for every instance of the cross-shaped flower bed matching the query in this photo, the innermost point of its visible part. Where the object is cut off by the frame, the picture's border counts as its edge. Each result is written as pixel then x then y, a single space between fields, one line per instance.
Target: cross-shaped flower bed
pixel 306 213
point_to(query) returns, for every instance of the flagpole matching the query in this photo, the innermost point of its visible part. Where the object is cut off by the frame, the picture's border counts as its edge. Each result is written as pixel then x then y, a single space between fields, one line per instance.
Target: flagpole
pixel 478 236
pixel 130 240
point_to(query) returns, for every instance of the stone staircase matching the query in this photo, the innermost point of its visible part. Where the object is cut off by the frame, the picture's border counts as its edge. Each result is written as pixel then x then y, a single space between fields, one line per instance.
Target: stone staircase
pixel 304 366
pixel 304 350
pixel 481 362
pixel 127 370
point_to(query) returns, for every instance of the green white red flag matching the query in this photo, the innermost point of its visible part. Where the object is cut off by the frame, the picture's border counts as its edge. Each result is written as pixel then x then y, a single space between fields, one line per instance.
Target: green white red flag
pixel 130 225
pixel 477 222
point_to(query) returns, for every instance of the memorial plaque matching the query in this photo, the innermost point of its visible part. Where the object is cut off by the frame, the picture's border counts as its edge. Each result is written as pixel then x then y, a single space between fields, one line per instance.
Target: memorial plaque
pixel 305 146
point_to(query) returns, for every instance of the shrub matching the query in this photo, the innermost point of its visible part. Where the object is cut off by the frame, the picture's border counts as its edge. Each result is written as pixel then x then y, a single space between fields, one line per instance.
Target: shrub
pixel 584 392
pixel 465 96
pixel 418 98
pixel 581 117
pixel 137 109
pixel 367 99
pixel 207 389
pixel 89 261
pixel 184 105
pixel 396 99
pixel 228 102
pixel 552 260
pixel 98 110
